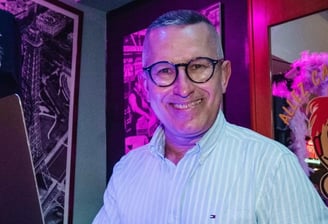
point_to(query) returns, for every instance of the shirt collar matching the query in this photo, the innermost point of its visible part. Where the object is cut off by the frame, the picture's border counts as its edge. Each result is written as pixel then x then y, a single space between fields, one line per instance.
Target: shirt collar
pixel 205 145
pixel 209 141
pixel 157 142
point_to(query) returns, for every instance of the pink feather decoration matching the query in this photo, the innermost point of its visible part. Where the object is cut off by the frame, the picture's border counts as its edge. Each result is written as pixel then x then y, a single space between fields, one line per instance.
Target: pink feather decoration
pixel 309 79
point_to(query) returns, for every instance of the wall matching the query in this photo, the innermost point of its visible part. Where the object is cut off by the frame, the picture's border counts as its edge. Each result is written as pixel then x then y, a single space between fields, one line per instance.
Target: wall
pixel 90 171
pixel 237 51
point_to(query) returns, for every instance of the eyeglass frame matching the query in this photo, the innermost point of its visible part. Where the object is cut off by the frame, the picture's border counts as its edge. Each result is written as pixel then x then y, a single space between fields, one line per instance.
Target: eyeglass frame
pixel 214 62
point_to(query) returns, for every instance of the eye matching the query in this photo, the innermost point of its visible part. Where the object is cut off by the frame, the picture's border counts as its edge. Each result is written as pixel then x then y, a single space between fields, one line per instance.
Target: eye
pixel 165 71
pixel 197 66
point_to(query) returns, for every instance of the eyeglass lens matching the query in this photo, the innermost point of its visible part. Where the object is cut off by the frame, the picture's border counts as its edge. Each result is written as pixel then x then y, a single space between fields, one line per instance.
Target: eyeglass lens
pixel 198 70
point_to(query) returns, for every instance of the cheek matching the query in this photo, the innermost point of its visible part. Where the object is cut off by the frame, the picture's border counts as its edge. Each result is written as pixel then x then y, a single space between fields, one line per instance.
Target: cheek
pixel 154 97
pixel 215 90
pixel 157 106
pixel 157 96
pixel 214 97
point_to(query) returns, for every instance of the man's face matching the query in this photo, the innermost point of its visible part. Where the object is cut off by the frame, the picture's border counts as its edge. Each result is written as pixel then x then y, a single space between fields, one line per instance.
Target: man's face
pixel 186 109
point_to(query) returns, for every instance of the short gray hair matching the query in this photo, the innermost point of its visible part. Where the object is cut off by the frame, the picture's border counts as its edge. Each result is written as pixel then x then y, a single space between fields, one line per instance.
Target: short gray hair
pixel 185 17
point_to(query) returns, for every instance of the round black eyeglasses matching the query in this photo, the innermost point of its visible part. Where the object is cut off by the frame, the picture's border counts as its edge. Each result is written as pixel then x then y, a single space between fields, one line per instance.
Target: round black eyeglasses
pixel 198 70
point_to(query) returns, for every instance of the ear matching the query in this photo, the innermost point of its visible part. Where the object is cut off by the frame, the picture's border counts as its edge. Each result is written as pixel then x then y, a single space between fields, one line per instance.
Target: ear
pixel 225 75
pixel 144 82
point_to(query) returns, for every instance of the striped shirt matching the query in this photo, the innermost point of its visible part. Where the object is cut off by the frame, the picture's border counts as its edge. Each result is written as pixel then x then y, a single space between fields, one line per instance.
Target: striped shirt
pixel 232 176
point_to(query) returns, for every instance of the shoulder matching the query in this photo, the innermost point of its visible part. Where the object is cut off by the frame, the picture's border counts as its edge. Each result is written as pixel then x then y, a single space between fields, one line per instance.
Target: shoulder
pixel 264 152
pixel 134 160
pixel 135 155
pixel 254 139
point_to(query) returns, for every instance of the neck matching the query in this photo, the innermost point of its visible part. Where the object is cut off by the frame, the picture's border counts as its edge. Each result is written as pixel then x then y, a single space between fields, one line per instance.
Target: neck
pixel 175 150
pixel 174 155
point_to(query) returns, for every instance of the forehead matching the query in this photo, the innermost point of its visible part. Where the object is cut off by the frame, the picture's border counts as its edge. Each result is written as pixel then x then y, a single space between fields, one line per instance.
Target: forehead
pixel 178 43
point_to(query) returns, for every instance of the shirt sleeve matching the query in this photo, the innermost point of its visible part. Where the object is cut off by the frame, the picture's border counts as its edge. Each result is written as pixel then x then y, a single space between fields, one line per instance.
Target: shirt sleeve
pixel 109 212
pixel 290 197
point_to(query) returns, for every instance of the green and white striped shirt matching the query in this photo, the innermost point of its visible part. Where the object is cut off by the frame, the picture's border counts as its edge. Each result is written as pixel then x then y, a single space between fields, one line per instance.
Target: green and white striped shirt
pixel 232 176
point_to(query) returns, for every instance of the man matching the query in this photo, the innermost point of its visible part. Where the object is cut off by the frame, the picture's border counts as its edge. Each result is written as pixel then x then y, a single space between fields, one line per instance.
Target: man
pixel 198 168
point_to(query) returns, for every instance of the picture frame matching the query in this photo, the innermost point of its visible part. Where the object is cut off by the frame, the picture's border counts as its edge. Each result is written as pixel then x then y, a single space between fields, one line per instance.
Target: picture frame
pixel 118 85
pixel 51 37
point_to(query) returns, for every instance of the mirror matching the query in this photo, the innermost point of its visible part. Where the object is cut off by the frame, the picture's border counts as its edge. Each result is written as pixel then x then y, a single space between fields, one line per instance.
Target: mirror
pixel 299 74
pixel 289 39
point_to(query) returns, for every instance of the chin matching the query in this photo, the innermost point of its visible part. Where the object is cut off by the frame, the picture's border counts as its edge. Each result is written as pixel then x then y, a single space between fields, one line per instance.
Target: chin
pixel 191 130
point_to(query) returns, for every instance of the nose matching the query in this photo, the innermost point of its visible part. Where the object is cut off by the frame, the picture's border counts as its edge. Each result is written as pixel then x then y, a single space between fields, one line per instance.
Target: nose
pixel 183 86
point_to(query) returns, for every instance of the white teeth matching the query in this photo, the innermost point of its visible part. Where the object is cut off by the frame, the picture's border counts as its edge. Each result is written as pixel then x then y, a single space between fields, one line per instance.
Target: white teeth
pixel 184 106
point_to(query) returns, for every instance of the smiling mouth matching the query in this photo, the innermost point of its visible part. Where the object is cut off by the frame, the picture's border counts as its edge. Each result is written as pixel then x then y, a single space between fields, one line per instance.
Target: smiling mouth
pixel 185 106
